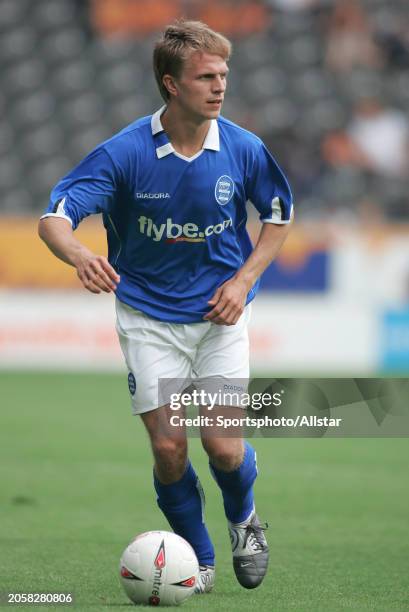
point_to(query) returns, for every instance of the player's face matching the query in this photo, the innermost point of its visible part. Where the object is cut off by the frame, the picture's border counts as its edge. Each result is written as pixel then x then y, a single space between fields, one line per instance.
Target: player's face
pixel 201 87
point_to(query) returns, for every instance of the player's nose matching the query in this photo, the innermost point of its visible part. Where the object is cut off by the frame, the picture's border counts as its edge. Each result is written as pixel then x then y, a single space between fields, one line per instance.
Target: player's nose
pixel 219 84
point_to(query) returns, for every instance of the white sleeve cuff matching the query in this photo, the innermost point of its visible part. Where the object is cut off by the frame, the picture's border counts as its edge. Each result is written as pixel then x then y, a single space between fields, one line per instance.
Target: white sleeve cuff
pixel 59 215
pixel 276 221
pixel 276 216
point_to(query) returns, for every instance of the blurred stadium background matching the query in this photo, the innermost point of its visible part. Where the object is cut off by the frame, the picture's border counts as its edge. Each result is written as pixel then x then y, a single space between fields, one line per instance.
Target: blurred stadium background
pixel 324 82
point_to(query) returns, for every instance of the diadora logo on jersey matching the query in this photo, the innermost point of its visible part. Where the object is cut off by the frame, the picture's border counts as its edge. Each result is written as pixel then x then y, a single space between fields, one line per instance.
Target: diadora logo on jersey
pixel 223 192
pixel 152 196
pixel 174 232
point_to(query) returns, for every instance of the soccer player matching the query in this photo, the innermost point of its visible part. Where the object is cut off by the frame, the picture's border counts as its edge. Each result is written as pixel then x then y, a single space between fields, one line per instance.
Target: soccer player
pixel 173 189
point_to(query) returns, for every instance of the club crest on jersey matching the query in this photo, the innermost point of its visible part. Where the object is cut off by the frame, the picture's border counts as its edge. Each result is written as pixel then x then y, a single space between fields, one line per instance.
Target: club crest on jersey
pixel 223 192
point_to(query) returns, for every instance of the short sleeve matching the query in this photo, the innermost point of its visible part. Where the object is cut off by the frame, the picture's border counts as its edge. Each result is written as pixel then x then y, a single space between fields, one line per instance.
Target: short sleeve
pixel 90 188
pixel 268 189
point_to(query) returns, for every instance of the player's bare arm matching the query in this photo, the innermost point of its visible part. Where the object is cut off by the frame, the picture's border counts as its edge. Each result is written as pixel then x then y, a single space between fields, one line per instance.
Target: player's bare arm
pixel 229 299
pixel 94 271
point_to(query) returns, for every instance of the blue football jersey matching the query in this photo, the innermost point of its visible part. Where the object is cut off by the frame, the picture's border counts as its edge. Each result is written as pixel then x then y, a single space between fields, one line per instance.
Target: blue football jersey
pixel 176 226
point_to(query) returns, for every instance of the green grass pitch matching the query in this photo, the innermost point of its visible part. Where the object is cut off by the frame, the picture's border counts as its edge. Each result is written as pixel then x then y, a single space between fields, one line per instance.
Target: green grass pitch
pixel 76 485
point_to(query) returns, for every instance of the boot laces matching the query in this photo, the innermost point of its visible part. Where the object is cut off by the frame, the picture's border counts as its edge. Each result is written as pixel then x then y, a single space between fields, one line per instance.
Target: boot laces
pixel 254 534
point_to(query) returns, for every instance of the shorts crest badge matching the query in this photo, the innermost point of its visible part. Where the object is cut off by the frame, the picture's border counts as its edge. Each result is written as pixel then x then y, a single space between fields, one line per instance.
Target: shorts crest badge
pixel 131 383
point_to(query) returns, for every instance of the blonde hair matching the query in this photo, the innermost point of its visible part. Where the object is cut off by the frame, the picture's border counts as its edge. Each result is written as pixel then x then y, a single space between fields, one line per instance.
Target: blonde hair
pixel 178 41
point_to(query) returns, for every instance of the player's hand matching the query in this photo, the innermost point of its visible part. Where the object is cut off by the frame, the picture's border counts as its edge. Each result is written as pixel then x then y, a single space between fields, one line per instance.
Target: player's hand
pixel 228 302
pixel 96 273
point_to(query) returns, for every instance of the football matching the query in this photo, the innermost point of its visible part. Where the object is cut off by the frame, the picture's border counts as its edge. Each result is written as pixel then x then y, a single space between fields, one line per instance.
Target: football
pixel 158 568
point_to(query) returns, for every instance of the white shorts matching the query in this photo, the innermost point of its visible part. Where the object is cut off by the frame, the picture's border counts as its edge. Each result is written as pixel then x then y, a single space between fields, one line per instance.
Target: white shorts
pixel 182 353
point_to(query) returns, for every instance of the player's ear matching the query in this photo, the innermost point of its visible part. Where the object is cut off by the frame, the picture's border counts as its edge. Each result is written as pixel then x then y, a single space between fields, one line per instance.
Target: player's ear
pixel 170 84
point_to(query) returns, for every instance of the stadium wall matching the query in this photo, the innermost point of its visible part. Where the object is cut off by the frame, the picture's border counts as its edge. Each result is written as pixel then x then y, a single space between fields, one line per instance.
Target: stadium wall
pixel 334 303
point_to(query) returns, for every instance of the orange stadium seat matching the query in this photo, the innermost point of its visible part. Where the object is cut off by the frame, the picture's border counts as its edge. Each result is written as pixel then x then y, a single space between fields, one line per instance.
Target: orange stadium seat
pixel 110 17
pixel 239 18
pixel 233 17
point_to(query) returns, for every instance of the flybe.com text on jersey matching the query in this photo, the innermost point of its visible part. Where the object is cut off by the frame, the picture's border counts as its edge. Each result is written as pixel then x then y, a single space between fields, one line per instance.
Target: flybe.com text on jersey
pixel 175 230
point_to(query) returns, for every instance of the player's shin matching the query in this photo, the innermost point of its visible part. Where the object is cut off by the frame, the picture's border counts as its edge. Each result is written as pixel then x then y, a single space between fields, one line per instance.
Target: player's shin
pixel 182 503
pixel 237 486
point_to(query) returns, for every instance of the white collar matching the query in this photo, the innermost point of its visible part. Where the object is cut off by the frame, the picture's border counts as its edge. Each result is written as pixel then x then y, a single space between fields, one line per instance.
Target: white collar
pixel 212 140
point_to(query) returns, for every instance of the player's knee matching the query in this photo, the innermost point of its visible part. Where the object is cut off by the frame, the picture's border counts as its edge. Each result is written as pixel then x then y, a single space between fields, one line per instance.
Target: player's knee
pixel 170 459
pixel 169 450
pixel 224 456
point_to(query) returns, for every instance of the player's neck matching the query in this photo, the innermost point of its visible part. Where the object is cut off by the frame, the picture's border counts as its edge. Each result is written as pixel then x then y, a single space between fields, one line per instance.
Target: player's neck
pixel 186 135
